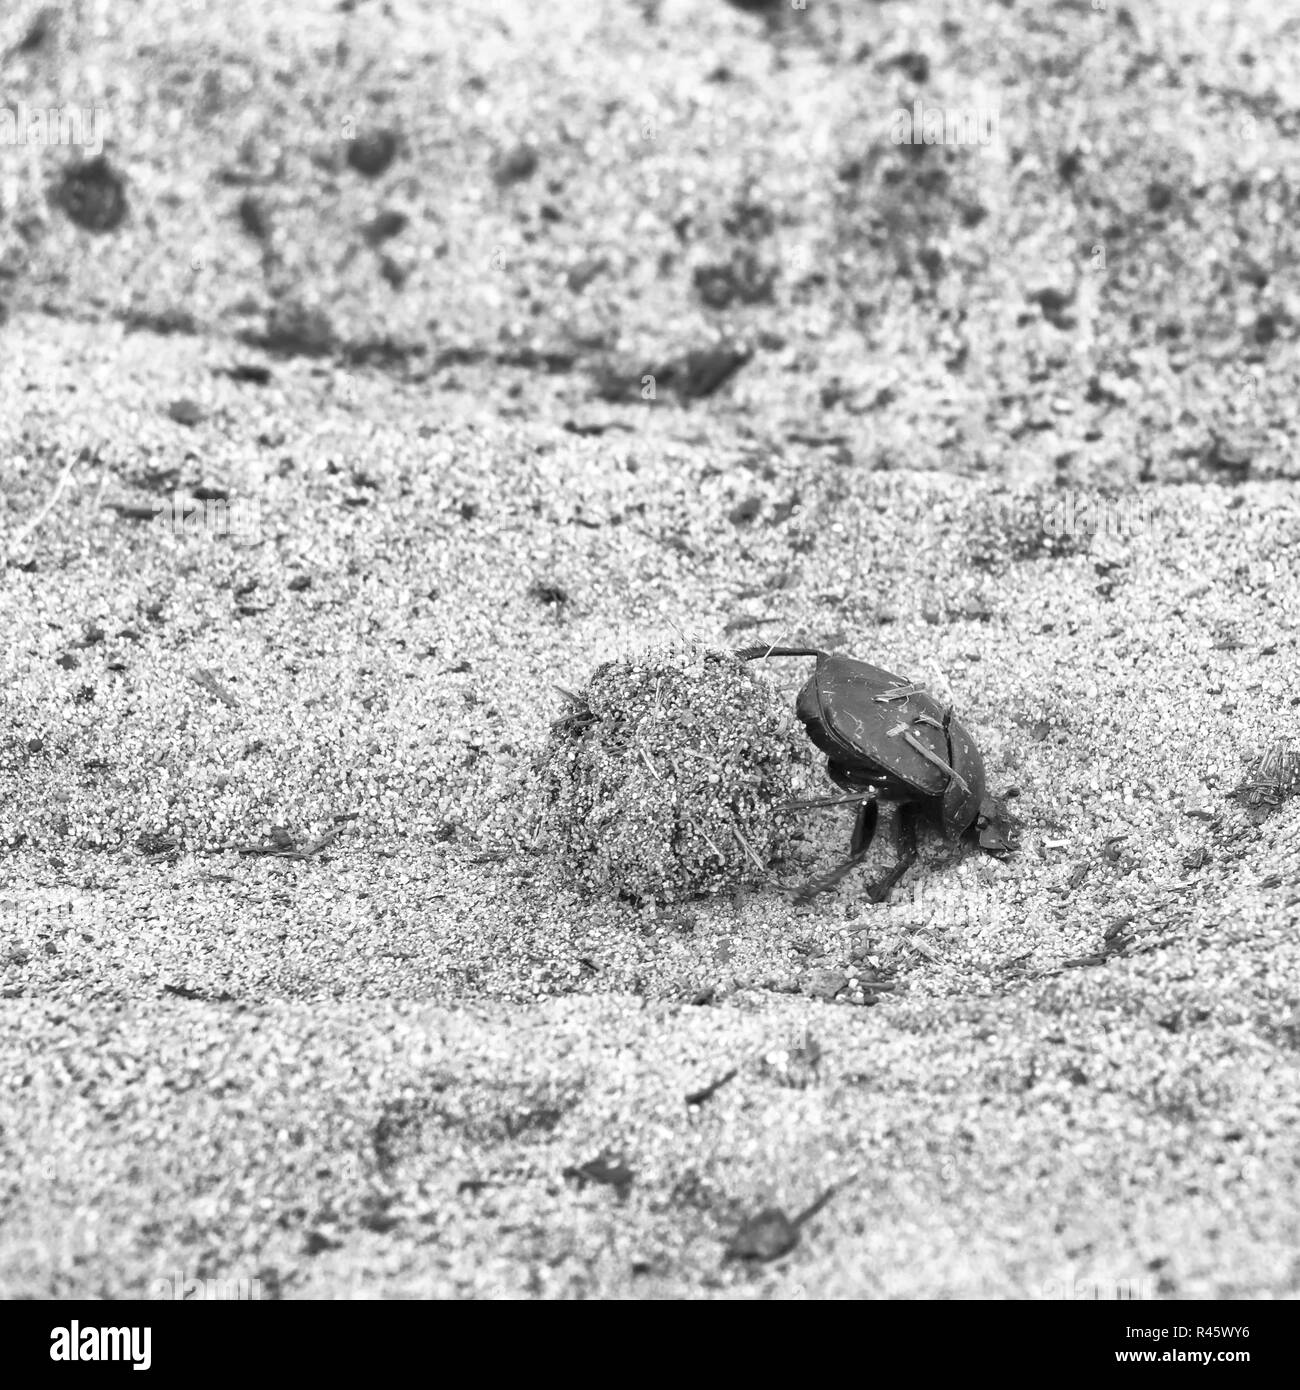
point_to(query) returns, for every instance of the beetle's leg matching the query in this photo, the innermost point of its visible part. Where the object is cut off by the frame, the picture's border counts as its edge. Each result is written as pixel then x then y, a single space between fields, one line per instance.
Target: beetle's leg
pixel 930 757
pixel 864 828
pixel 817 801
pixel 828 881
pixel 904 836
pixel 864 831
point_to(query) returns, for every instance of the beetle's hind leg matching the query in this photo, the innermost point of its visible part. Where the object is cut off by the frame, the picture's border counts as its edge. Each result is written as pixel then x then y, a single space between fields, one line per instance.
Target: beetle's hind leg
pixel 904 837
pixel 864 831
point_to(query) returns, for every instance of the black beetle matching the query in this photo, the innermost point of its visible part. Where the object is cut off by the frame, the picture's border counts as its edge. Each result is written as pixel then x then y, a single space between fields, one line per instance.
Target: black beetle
pixel 886 739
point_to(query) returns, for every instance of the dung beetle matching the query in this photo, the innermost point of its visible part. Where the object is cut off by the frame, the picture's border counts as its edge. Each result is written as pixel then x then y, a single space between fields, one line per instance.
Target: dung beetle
pixel 887 739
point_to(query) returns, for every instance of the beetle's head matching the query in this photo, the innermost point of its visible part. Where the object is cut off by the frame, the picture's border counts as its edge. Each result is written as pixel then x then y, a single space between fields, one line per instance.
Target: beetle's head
pixel 996 826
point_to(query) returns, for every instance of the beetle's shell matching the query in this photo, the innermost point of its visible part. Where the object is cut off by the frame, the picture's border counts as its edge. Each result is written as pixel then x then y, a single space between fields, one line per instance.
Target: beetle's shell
pixel 840 709
pixel 844 716
pixel 960 808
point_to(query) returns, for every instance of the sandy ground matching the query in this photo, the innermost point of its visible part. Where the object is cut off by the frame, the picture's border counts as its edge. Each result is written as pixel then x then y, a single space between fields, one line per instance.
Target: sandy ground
pixel 405 1058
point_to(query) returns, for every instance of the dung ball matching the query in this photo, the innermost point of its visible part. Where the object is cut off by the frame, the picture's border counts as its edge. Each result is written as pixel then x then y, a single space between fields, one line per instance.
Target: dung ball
pixel 661 779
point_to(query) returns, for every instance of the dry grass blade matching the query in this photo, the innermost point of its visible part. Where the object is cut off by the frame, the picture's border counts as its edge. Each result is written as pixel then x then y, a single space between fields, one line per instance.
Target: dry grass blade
pixel 1275 776
pixel 704 834
pixel 577 717
pixel 28 528
pixel 744 844
pixel 201 676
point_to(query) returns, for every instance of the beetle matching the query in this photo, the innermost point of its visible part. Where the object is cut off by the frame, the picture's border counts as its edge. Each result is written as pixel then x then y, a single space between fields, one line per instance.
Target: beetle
pixel 888 739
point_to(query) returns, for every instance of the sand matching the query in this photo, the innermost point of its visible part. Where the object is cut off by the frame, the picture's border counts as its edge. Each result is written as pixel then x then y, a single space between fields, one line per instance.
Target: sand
pixel 287 993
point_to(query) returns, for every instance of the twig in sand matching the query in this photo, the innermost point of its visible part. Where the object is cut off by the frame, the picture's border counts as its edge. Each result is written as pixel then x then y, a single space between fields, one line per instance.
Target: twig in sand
pixel 283 852
pixel 722 858
pixel 709 1091
pixel 203 677
pixel 744 844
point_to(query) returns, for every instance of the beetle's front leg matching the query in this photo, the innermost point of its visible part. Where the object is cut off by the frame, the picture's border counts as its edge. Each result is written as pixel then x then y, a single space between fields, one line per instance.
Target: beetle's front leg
pixel 828 881
pixel 905 851
pixel 864 831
